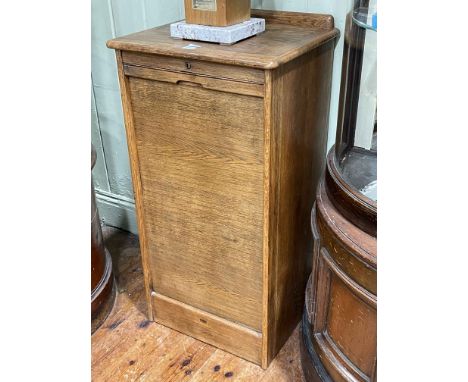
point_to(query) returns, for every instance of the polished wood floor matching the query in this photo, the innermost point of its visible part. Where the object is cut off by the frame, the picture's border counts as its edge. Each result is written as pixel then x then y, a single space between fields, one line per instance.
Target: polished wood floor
pixel 129 348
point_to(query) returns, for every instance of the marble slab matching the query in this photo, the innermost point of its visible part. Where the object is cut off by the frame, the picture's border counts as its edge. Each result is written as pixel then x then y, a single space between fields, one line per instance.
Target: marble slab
pixel 223 35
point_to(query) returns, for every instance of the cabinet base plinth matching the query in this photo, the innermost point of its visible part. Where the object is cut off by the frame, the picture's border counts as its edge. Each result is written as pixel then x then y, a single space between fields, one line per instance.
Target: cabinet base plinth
pixel 234 338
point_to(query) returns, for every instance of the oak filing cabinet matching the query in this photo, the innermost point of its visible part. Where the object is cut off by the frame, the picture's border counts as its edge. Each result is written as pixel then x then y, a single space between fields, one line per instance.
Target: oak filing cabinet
pixel 227 144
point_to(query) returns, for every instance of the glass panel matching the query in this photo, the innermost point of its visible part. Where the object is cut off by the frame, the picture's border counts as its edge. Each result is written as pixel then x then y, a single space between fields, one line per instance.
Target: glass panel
pixel 356 142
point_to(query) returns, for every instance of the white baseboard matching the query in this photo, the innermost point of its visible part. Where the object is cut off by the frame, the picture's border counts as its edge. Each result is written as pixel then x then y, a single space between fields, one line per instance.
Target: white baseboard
pixel 117 211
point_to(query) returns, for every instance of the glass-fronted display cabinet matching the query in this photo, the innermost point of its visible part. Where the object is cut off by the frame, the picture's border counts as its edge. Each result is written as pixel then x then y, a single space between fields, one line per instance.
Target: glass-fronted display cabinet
pixel 356 140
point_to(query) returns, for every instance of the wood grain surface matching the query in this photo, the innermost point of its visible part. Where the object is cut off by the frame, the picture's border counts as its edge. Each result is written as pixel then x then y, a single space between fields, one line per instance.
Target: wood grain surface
pixel 204 82
pixel 136 179
pixel 203 195
pixel 203 68
pixel 226 170
pixel 130 348
pixel 206 327
pixel 307 20
pixel 341 300
pixel 227 12
pixel 300 105
pixel 280 43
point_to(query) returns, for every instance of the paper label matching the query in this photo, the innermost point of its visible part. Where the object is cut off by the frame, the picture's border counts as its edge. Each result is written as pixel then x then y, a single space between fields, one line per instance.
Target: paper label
pixel 191 46
pixel 204 5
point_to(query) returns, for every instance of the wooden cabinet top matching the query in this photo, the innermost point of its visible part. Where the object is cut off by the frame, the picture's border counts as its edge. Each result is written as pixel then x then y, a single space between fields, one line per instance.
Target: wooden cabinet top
pixel 287 36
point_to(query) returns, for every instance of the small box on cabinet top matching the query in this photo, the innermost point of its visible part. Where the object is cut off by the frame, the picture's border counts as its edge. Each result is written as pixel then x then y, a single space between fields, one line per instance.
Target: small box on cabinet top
pixel 218 13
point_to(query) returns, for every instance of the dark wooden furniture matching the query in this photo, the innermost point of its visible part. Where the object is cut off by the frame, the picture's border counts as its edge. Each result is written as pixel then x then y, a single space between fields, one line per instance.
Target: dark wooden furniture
pixel 218 13
pixel 102 279
pixel 226 146
pixel 340 317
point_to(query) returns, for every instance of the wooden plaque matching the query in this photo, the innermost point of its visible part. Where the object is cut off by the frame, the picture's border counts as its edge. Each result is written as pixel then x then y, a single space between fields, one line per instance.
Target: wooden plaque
pixel 219 13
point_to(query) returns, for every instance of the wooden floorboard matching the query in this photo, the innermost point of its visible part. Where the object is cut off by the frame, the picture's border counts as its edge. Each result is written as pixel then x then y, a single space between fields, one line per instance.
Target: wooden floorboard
pixel 129 348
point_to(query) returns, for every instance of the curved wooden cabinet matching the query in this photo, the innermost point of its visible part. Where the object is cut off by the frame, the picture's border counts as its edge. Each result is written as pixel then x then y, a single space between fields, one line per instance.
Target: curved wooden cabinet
pixel 340 316
pixel 102 279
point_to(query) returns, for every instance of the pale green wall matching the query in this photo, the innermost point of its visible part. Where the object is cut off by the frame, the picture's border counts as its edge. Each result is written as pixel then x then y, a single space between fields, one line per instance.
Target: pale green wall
pixel 112 178
pixel 113 18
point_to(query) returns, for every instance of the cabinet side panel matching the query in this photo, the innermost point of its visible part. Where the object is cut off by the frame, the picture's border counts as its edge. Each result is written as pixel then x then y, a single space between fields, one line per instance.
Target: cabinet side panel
pixel 300 107
pixel 135 168
pixel 201 164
